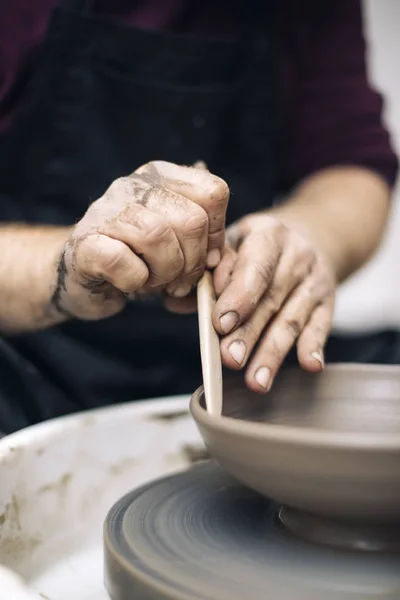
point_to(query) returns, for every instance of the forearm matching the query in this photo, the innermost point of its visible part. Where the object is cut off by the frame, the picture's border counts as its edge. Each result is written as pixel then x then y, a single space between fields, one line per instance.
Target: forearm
pixel 28 276
pixel 344 211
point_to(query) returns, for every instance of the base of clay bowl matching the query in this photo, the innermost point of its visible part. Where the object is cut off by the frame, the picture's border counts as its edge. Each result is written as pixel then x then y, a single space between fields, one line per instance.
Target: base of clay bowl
pixel 343 535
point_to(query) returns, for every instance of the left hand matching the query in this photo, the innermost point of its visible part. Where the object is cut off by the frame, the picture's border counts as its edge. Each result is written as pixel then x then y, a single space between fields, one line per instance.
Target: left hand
pixel 275 288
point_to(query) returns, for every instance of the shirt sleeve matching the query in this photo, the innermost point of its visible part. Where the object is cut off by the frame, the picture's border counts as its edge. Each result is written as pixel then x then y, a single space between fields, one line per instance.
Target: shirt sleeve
pixel 336 117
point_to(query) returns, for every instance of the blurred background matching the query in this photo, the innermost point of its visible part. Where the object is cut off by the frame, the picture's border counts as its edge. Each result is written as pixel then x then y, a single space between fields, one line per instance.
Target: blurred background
pixel 375 290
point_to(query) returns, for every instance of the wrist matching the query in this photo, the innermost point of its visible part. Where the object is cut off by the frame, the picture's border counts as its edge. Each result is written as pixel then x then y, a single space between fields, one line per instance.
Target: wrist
pixel 54 302
pixel 54 274
pixel 28 276
pixel 343 211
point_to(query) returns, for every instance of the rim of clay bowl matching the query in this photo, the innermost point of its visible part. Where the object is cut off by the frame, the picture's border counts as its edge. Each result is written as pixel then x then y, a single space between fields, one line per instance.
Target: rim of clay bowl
pixel 307 436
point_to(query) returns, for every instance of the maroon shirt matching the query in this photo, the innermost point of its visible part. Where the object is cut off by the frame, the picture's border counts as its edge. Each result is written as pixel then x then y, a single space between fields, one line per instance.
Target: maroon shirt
pixel 333 115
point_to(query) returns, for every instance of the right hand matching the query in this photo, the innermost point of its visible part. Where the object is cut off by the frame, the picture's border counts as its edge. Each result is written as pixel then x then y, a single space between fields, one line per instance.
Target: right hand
pixel 156 229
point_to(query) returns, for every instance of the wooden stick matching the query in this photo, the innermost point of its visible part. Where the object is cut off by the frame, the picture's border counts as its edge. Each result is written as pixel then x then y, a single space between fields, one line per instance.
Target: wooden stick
pixel 209 341
pixel 209 346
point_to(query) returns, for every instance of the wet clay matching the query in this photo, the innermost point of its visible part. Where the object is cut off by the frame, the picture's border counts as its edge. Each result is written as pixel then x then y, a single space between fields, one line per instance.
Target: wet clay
pixel 319 458
pixel 200 535
pixel 326 446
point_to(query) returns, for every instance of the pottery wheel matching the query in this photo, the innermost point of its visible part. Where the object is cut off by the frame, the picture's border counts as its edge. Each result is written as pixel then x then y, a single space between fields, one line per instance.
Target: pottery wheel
pixel 199 535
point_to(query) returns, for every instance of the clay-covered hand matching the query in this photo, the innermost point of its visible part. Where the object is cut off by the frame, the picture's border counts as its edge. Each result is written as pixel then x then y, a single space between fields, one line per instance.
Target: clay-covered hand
pixel 275 289
pixel 154 230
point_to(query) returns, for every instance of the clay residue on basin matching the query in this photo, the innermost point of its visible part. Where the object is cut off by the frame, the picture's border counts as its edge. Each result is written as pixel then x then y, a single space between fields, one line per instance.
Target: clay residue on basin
pixel 58 486
pixel 122 466
pixel 14 544
pixel 195 454
pixel 11 514
pixel 170 416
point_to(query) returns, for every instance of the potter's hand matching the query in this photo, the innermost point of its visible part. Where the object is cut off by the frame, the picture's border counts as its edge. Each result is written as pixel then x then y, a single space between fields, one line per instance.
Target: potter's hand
pixel 275 289
pixel 153 230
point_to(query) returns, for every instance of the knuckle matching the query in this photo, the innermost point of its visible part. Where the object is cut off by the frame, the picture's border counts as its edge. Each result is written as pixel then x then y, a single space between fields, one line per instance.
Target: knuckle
pixel 293 326
pixel 320 331
pixel 305 252
pixel 265 269
pixel 196 222
pixel 249 332
pixel 280 228
pixel 152 227
pixel 320 288
pixel 270 353
pixel 169 268
pixel 155 164
pixel 300 270
pixel 272 302
pixel 160 233
pixel 119 185
pixel 150 164
pixel 218 192
pixel 271 227
pixel 109 259
pixel 243 303
pixel 310 255
pixel 145 167
pixel 275 350
pixel 308 290
pixel 176 267
pixel 95 257
pixel 261 242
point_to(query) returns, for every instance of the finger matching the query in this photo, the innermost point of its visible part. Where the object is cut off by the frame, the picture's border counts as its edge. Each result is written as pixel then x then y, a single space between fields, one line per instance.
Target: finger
pixel 98 258
pixel 190 225
pixel 202 187
pixel 182 306
pixel 223 272
pixel 279 338
pixel 234 235
pixel 256 263
pixel 151 237
pixel 236 232
pixel 105 269
pixel 292 269
pixel 310 345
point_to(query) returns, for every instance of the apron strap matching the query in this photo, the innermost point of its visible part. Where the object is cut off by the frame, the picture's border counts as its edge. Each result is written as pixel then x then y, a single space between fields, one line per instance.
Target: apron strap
pixel 262 78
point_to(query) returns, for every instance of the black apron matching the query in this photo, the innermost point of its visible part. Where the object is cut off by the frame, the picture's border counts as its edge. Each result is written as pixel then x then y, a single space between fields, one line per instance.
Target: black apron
pixel 106 98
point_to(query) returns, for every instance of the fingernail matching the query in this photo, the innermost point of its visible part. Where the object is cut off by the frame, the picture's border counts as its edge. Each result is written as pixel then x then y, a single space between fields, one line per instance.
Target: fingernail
pixel 213 258
pixel 228 321
pixel 238 351
pixel 181 290
pixel 319 357
pixel 263 376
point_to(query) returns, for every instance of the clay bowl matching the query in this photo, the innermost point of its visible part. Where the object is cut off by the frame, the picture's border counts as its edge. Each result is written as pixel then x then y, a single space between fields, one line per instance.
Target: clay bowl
pixel 326 447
